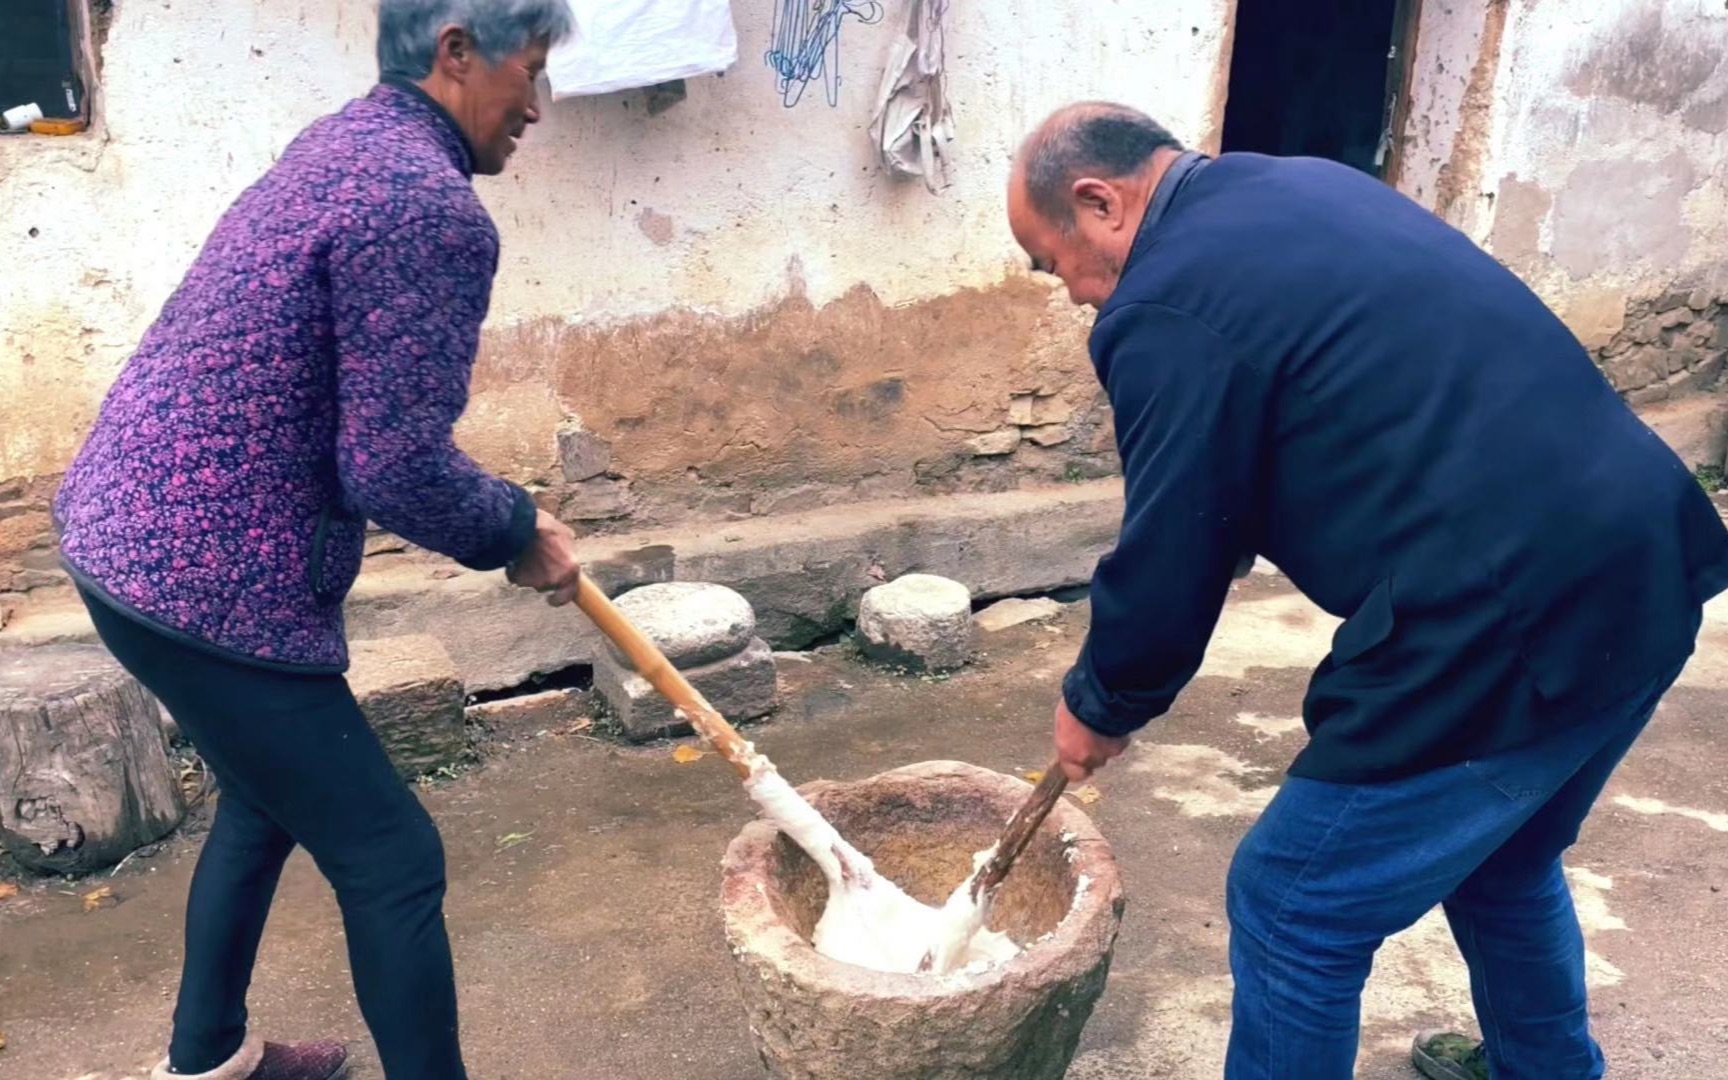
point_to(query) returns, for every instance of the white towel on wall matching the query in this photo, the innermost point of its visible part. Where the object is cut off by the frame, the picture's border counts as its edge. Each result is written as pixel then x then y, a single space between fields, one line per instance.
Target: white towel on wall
pixel 622 44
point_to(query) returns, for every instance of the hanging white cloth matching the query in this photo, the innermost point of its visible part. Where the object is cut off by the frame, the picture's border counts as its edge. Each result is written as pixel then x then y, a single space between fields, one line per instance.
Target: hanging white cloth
pixel 914 122
pixel 623 44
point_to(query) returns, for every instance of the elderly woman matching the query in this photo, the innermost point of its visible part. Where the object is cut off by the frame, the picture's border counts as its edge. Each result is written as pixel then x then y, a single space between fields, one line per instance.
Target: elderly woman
pixel 303 379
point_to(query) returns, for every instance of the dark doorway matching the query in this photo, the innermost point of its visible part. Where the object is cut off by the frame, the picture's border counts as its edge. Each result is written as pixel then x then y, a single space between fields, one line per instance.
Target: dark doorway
pixel 1319 78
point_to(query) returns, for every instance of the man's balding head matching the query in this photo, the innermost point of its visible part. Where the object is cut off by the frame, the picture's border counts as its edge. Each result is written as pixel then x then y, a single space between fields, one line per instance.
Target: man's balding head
pixel 1079 191
pixel 1087 139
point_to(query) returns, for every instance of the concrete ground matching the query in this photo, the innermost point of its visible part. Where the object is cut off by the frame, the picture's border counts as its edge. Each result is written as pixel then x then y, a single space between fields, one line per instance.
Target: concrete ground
pixel 584 878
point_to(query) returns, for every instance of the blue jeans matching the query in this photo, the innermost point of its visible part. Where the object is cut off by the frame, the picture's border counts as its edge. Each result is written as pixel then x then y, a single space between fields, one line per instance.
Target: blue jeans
pixel 1331 870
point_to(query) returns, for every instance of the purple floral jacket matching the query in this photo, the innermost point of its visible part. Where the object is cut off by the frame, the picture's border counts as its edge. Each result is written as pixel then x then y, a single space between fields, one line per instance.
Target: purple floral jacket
pixel 303 378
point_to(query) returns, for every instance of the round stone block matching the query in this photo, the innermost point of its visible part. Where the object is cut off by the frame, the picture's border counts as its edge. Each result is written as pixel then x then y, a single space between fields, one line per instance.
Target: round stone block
pixel 919 621
pixel 692 622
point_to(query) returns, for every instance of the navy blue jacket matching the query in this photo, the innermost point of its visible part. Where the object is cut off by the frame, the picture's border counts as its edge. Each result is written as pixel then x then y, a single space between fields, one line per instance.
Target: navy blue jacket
pixel 1306 365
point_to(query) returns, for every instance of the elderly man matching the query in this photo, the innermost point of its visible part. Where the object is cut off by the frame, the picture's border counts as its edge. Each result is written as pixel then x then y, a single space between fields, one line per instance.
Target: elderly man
pixel 1305 365
pixel 303 379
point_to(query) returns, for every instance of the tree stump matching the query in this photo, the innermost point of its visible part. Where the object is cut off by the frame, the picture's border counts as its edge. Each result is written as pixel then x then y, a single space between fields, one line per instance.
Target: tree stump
pixel 84 772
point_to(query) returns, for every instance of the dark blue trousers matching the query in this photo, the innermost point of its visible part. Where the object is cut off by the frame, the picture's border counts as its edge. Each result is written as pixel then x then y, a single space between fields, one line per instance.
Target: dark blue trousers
pixel 297 764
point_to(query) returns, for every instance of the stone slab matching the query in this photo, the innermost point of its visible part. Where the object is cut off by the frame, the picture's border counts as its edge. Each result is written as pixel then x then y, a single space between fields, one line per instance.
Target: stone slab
pixel 526 715
pixel 803 574
pixel 62 624
pixel 741 688
pixel 499 635
pixel 995 443
pixel 1016 610
pixel 582 455
pixel 1695 428
pixel 602 498
pixel 411 695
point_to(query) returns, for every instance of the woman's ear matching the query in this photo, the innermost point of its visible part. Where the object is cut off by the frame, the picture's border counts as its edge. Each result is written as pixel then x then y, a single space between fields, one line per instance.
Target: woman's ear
pixel 455 53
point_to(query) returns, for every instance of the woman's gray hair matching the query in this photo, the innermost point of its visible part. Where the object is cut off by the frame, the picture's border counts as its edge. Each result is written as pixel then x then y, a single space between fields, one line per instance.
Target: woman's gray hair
pixel 408 29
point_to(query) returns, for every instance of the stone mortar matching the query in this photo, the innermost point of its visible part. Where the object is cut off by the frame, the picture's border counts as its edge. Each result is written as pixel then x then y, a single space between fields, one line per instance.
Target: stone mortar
pixel 813 1018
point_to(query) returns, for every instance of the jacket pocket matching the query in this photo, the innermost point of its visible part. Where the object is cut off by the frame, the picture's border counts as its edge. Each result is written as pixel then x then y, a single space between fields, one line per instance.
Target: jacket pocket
pixel 1368 626
pixel 334 561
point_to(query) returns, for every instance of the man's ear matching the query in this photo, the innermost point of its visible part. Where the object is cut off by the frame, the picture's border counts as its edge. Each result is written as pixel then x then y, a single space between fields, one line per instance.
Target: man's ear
pixel 1097 199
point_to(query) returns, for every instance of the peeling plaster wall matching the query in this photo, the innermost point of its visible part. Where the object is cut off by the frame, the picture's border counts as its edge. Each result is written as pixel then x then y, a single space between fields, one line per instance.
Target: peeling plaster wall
pixel 720 293
pixel 1610 179
pixel 1591 149
pixel 1585 143
pixel 1611 139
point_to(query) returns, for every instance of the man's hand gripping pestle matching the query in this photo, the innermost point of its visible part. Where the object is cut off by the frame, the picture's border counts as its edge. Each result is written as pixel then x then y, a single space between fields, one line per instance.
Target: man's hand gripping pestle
pixel 869 921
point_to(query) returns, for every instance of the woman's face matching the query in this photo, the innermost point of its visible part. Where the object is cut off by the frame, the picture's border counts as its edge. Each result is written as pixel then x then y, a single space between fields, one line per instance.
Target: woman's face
pixel 493 103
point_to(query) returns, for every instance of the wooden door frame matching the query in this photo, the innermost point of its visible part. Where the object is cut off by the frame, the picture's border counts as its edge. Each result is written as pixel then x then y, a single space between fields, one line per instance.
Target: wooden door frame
pixel 1400 81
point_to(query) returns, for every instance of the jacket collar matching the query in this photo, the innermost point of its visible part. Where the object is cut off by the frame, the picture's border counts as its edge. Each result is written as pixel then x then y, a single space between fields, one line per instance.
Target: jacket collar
pixel 1175 178
pixel 405 96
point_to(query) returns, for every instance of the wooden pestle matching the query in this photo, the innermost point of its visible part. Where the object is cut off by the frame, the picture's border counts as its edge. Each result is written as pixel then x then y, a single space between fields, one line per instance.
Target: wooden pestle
pixel 1019 830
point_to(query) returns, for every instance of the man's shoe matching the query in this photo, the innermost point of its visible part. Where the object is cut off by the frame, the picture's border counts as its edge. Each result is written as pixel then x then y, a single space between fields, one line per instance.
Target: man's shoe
pixel 1443 1055
pixel 259 1060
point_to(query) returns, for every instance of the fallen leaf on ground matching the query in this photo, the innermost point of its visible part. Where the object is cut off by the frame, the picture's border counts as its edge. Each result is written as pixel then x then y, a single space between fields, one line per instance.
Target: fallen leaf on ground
pixel 1087 794
pixel 510 840
pixel 685 754
pixel 99 898
pixel 2 1042
pixel 1032 776
pixel 7 890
